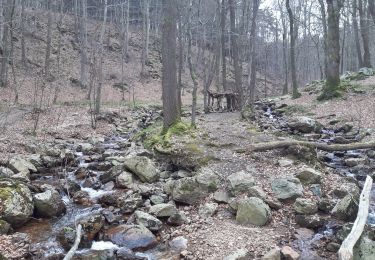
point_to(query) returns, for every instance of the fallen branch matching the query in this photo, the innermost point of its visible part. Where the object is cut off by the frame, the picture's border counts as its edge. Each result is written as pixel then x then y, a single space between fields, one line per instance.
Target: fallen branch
pixel 74 248
pixel 346 249
pixel 262 147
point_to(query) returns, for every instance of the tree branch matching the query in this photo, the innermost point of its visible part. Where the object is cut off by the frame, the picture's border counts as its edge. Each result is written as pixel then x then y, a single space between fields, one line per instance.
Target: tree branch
pixel 74 248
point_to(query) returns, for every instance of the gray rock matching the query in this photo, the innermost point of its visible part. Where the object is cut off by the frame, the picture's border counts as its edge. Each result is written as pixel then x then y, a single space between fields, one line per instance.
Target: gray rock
pixel 125 253
pixel 253 211
pixel 16 202
pixel 124 180
pixel 207 180
pixel 143 167
pixel 18 164
pixel 305 125
pixel 129 202
pixel 371 154
pixel 6 172
pixel 49 204
pixel 326 205
pixel 366 71
pixel 158 198
pixel 351 162
pixel 4 227
pixel 240 254
pixel 287 188
pixel 364 249
pixel 273 254
pixel 187 191
pixel 208 209
pixel 310 221
pixel 134 237
pixel 285 162
pixel 145 219
pixel 346 209
pixel 240 182
pixel 91 225
pixel 309 176
pixel 289 253
pixel 257 192
pixel 177 219
pixel 347 189
pixel 163 210
pixel 221 197
pixel 305 206
pixel 178 244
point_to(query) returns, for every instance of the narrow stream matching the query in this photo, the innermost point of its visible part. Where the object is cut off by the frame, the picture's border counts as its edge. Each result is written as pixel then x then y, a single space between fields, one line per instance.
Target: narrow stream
pixel 335 160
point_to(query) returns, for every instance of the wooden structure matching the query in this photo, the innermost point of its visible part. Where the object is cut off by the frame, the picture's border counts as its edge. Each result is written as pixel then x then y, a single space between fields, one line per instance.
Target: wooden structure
pixel 230 98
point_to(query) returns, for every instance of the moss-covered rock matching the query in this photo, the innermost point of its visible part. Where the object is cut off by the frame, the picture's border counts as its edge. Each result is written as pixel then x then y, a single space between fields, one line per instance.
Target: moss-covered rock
pixel 143 167
pixel 16 202
pixel 253 211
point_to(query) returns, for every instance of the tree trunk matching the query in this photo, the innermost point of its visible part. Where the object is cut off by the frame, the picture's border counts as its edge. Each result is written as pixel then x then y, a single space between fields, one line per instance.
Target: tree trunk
pixel 180 58
pixel 365 33
pixel 83 39
pixel 324 24
pixel 331 88
pixel 371 7
pixel 192 71
pixel 48 41
pixel 293 36
pixel 356 33
pixel 23 44
pixel 100 67
pixel 169 78
pixel 235 53
pixel 223 54
pixel 253 72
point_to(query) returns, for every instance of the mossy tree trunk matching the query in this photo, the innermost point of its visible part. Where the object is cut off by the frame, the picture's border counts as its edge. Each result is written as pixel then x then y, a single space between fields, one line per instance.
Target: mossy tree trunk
pixel 171 110
pixel 331 88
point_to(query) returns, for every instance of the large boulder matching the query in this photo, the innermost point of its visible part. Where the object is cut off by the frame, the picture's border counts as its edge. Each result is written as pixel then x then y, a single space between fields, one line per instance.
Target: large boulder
pixel 309 176
pixel 132 236
pixel 207 180
pixel 187 191
pixel 16 202
pixel 240 182
pixel 143 167
pixel 253 211
pixel 18 164
pixel 163 210
pixel 305 125
pixel 364 249
pixel 91 223
pixel 48 204
pixel 287 188
pixel 346 209
pixel 145 219
pixel 305 206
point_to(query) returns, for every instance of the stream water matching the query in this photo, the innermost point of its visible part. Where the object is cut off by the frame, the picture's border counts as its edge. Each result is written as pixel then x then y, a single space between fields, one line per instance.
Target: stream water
pixel 309 244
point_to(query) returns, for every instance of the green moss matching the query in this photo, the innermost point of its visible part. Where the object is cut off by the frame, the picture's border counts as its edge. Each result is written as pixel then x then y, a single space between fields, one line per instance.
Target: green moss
pixel 293 109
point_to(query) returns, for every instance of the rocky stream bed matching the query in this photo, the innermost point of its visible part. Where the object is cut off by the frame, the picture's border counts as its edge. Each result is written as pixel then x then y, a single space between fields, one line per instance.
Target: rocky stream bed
pixel 133 204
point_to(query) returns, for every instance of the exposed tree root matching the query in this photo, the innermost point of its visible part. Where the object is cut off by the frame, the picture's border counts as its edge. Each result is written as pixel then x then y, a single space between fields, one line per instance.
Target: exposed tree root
pixel 262 147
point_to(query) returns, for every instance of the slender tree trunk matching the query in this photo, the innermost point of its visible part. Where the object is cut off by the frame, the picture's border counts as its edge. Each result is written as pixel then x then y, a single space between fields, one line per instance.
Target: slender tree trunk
pixel 100 67
pixel 293 36
pixel 223 54
pixel 83 39
pixel 57 86
pixel 252 74
pixel 365 32
pixel 371 7
pixel 23 44
pixel 146 33
pixel 235 53
pixel 324 24
pixel 47 61
pixel 6 41
pixel 171 111
pixel 192 71
pixel 180 58
pixel 356 33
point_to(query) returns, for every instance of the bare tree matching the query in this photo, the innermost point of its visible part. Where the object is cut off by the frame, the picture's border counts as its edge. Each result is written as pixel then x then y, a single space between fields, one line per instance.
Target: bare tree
pixel 252 67
pixel 169 78
pixel 47 61
pixel 365 33
pixel 83 42
pixel 293 36
pixel 356 33
pixel 100 67
pixel 223 47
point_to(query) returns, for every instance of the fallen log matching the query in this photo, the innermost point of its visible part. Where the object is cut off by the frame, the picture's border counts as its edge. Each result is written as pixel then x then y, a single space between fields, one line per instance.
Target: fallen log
pixel 346 249
pixel 262 147
pixel 74 248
